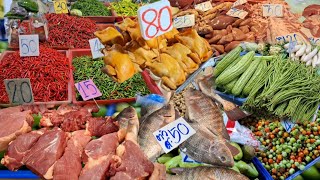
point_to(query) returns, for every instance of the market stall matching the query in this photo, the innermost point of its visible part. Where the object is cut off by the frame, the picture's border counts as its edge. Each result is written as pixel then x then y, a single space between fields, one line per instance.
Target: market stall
pixel 218 89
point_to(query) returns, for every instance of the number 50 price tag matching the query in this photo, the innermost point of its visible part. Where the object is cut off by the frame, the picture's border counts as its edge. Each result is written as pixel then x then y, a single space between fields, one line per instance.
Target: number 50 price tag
pixel 88 90
pixel 29 45
pixel 155 19
pixel 173 134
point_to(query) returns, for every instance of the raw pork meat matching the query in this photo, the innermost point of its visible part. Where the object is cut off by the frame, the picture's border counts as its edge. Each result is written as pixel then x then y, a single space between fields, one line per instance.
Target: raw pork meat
pixel 19 148
pixel 101 126
pixel 13 123
pixel 134 163
pixel 99 154
pixel 43 155
pixel 69 165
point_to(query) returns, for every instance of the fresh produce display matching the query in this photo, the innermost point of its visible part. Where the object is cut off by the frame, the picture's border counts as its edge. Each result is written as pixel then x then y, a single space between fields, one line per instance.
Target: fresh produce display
pixel 281 87
pixel 87 68
pixel 237 92
pixel 170 63
pixel 283 153
pixel 91 8
pixel 49 74
pixel 125 8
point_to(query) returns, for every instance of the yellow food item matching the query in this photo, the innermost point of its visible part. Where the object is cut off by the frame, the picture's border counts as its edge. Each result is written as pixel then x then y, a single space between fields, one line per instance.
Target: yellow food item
pixel 110 36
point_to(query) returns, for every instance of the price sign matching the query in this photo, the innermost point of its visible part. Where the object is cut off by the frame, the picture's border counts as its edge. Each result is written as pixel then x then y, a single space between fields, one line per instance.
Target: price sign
pixel 291 37
pixel 29 45
pixel 239 2
pixel 234 12
pixel 184 21
pixel 173 134
pixel 60 6
pixel 287 124
pixel 272 10
pixel 187 159
pixel 88 90
pixel 155 19
pixel 96 46
pixel 205 6
pixel 19 91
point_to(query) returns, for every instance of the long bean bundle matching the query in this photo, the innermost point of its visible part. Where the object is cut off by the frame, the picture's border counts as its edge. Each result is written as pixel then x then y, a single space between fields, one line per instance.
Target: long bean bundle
pixel 286 89
pixel 87 68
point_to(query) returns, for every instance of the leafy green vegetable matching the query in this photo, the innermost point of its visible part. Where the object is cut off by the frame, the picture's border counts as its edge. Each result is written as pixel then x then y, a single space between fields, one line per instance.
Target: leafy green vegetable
pixel 91 8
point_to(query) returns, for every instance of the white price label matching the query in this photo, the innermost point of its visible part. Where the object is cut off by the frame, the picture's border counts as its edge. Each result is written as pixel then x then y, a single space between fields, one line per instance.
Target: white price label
pixel 19 91
pixel 234 12
pixel 315 41
pixel 187 159
pixel 292 44
pixel 29 45
pixel 184 21
pixel 173 134
pixel 155 19
pixel 205 6
pixel 287 124
pixel 291 37
pixel 239 2
pixel 272 10
pixel 96 46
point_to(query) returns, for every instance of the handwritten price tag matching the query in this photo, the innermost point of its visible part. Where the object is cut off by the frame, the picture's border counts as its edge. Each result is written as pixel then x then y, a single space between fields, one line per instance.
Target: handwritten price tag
pixel 291 37
pixel 184 21
pixel 237 13
pixel 60 6
pixel 287 124
pixel 88 90
pixel 205 6
pixel 187 159
pixel 29 45
pixel 272 10
pixel 155 19
pixel 239 2
pixel 19 91
pixel 96 46
pixel 173 134
pixel 292 44
pixel 315 41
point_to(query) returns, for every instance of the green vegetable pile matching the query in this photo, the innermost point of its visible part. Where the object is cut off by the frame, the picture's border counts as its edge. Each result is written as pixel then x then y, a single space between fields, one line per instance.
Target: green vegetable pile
pixel 272 84
pixel 87 68
pixel 91 8
pixel 125 8
pixel 283 153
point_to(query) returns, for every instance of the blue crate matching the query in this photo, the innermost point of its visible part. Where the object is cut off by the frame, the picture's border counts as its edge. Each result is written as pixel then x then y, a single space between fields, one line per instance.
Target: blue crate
pixel 21 174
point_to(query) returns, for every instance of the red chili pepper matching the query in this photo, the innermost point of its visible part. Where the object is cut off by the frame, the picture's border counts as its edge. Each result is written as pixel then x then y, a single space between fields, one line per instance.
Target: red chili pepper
pixel 48 73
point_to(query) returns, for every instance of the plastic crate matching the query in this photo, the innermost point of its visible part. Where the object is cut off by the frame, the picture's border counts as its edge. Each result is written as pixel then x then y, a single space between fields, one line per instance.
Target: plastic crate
pixel 86 52
pixel 67 101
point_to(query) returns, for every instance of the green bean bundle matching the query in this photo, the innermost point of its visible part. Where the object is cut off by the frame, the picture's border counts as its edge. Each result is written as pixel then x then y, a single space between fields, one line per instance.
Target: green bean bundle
pixel 87 68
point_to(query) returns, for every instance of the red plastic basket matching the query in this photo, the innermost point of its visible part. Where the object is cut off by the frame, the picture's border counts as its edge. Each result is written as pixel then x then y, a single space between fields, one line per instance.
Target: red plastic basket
pixel 86 52
pixel 67 101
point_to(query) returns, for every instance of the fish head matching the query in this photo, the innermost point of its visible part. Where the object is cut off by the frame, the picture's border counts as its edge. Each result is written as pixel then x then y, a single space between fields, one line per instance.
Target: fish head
pixel 206 84
pixel 125 115
pixel 168 113
pixel 220 154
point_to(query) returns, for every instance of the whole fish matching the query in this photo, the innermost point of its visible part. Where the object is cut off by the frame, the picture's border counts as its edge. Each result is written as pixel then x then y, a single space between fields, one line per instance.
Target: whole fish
pixel 201 109
pixel 207 173
pixel 153 122
pixel 209 144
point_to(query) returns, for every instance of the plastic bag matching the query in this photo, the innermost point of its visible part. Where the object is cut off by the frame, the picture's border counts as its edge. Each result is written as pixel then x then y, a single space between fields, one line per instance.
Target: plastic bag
pixel 240 134
pixel 150 103
pixel 39 25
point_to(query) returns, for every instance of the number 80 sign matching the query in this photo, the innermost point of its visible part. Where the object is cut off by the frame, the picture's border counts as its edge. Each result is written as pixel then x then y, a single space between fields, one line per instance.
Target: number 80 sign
pixel 155 19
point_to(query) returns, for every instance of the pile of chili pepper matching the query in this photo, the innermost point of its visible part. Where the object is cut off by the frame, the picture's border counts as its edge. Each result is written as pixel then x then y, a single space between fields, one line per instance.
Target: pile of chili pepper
pixel 49 74
pixel 86 68
pixel 69 31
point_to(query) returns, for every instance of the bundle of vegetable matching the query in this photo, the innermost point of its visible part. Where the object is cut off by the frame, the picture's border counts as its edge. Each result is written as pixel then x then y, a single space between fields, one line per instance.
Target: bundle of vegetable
pixel 91 8
pixel 69 31
pixel 286 152
pixel 286 89
pixel 49 74
pixel 125 8
pixel 87 68
pixel 304 53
